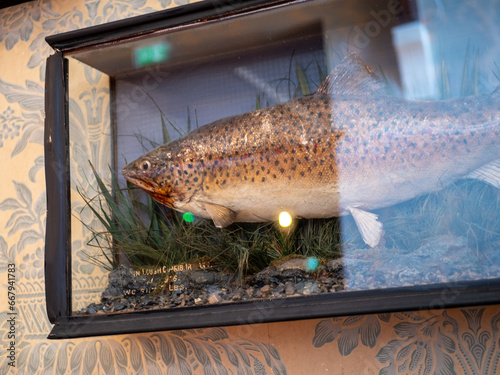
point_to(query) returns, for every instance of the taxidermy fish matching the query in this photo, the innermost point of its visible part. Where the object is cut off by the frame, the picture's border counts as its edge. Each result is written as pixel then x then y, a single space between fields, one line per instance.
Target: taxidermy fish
pixel 349 148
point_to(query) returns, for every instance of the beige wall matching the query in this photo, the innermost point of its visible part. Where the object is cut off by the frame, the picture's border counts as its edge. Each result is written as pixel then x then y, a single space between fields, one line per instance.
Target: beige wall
pixel 463 341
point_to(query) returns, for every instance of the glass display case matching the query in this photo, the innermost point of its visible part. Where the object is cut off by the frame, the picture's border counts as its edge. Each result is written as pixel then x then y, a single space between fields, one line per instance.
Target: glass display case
pixel 243 162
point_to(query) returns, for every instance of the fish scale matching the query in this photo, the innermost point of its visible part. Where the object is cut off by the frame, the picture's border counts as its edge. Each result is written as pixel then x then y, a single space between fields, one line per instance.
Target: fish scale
pixel 347 149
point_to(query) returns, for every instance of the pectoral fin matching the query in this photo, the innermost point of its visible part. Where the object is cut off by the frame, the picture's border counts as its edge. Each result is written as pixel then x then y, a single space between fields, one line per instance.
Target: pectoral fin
pixel 370 228
pixel 222 216
pixel 489 173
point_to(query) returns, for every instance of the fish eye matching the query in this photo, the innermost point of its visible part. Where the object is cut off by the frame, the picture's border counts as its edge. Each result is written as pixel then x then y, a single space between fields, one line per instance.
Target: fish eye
pixel 145 165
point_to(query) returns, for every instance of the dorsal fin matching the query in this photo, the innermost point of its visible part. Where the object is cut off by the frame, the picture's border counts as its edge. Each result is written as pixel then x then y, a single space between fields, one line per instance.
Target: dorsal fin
pixel 352 77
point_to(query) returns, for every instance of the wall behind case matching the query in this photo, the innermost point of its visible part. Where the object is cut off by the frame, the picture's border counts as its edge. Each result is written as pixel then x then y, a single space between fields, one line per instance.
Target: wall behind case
pixel 454 340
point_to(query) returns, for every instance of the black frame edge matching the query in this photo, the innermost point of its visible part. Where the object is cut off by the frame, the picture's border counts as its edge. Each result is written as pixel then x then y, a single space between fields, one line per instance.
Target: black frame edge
pixel 147 23
pixel 10 3
pixel 427 297
pixel 57 236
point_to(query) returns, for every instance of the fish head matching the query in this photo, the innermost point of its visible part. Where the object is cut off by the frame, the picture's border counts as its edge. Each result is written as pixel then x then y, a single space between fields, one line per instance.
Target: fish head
pixel 169 173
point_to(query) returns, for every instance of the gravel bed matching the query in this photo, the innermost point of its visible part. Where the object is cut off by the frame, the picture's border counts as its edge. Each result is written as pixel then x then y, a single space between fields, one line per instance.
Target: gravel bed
pixel 442 259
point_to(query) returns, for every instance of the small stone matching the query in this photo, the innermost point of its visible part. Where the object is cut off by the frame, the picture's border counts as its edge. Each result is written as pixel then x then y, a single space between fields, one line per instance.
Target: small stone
pixel 214 298
pixel 238 294
pixel 289 290
pixel 311 288
pixel 280 288
pixel 334 265
pixel 265 290
pixel 293 264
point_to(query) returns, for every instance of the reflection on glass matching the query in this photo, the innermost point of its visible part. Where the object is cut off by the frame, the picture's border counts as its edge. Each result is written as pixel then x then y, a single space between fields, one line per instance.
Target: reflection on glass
pixel 277 179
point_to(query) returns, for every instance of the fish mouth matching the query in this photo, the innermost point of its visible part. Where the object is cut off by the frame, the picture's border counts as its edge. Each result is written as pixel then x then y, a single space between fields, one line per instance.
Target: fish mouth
pixel 161 195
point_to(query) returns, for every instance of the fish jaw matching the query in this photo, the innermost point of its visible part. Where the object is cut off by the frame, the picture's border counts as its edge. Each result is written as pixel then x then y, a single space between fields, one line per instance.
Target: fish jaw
pixel 164 196
pixel 169 173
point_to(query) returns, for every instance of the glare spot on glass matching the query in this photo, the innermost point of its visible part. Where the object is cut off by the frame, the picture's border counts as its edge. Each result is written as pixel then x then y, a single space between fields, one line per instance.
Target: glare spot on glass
pixel 284 219
pixel 151 54
pixel 188 217
pixel 312 264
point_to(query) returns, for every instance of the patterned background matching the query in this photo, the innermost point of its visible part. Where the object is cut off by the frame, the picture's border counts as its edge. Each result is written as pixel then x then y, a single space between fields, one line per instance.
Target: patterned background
pixel 463 341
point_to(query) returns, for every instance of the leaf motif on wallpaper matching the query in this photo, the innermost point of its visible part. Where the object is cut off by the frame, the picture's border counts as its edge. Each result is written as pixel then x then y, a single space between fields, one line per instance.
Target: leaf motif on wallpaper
pixel 269 353
pixel 349 331
pixel 159 353
pixel 173 352
pixel 7 256
pixel 32 265
pixel 26 216
pixel 164 3
pixel 118 9
pixel 258 367
pixel 83 262
pixel 437 344
pixel 28 125
pixel 39 164
pixel 17 23
pixel 100 355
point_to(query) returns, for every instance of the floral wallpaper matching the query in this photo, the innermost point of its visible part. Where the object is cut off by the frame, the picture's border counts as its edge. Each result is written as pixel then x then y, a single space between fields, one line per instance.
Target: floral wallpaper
pixel 452 341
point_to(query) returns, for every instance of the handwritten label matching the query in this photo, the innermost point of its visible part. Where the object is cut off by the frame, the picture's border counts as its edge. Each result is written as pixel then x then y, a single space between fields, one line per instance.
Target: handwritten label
pixel 176 268
pixel 170 283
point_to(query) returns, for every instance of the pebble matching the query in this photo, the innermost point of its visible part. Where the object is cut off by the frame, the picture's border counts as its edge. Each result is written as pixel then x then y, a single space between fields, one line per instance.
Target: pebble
pixel 214 298
pixel 289 290
pixel 265 290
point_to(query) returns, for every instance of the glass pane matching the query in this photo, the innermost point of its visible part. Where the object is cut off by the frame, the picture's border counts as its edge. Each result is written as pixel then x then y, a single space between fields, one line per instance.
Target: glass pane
pixel 354 147
pixel 90 148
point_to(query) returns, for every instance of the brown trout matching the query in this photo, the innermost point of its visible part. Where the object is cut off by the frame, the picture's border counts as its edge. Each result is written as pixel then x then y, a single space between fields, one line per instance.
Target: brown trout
pixel 349 148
